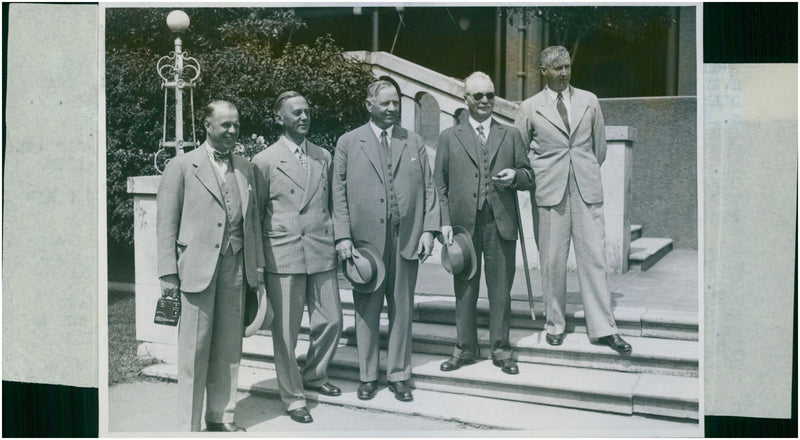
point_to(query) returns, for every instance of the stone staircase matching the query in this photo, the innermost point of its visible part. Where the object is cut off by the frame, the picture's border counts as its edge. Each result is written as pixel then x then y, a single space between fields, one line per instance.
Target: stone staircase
pixel 645 251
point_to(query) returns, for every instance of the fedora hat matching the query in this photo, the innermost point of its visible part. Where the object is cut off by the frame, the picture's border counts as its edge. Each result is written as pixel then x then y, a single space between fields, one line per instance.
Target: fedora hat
pixel 459 258
pixel 365 270
pixel 258 313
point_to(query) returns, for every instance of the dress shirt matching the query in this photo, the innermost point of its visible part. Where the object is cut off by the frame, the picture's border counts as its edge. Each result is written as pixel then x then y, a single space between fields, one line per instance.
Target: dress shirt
pixel 377 130
pixel 294 147
pixel 220 165
pixel 487 124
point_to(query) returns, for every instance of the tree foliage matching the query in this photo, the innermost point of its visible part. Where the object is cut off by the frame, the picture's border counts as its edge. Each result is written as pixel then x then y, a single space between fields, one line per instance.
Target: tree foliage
pixel 568 25
pixel 246 56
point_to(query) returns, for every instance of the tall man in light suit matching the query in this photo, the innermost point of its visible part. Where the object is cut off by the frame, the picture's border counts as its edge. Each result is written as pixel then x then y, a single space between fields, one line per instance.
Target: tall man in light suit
pixel 480 164
pixel 210 249
pixel 383 194
pixel 294 198
pixel 565 129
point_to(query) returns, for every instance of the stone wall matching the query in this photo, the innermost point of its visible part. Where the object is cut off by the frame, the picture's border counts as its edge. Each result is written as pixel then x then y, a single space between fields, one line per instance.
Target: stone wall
pixel 664 177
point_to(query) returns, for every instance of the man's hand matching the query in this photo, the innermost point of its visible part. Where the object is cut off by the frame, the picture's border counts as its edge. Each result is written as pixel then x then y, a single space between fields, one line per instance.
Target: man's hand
pixel 505 177
pixel 425 247
pixel 447 234
pixel 170 286
pixel 345 249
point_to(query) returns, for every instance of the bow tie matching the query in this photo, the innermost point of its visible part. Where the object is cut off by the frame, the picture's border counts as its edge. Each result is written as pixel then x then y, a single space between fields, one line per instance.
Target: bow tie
pixel 222 156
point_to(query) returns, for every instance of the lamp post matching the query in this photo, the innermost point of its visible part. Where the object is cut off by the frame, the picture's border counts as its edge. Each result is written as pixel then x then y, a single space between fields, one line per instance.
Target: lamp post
pixel 178 71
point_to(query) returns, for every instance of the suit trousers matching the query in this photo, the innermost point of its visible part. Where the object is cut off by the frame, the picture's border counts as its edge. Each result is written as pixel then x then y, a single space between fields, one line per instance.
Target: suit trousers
pixel 398 288
pixel 289 294
pixel 499 256
pixel 210 346
pixel 584 224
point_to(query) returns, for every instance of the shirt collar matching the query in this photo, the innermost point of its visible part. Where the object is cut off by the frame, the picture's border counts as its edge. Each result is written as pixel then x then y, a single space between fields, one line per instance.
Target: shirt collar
pixel 377 130
pixel 211 150
pixel 566 93
pixel 294 147
pixel 486 124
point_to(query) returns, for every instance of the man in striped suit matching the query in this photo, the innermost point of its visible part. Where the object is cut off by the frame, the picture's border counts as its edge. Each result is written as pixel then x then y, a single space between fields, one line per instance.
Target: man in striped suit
pixel 293 177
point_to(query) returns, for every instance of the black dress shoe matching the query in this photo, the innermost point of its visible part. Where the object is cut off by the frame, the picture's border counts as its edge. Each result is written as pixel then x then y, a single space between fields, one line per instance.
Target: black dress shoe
pixel 327 389
pixel 616 343
pixel 554 339
pixel 367 390
pixel 508 366
pixel 300 415
pixel 401 390
pixel 224 427
pixel 454 363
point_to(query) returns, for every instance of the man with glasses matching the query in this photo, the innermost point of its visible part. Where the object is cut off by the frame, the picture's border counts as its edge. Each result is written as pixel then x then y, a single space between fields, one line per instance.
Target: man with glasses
pixel 480 164
pixel 564 127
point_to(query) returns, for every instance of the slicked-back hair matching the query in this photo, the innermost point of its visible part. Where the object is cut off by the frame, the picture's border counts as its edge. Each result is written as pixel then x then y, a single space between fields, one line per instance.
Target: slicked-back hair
pixel 283 97
pixel 552 54
pixel 213 105
pixel 477 75
pixel 374 88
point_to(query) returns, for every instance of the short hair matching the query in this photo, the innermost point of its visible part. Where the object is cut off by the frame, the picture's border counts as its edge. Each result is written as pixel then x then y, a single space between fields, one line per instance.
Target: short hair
pixel 552 54
pixel 283 97
pixel 375 88
pixel 477 75
pixel 213 105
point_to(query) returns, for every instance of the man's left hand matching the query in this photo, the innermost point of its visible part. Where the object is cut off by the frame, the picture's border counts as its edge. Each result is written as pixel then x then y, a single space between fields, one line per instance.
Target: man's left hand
pixel 425 247
pixel 505 178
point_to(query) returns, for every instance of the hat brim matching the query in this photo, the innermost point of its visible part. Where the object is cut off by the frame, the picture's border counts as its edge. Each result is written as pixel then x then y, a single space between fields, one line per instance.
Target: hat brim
pixel 255 312
pixel 473 257
pixel 368 251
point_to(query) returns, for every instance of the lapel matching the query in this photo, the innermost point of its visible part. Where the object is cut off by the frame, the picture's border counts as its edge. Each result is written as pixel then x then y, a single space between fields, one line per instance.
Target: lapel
pixel 239 170
pixel 497 133
pixel 547 108
pixel 578 106
pixel 397 146
pixel 370 144
pixel 466 135
pixel 289 165
pixel 205 172
pixel 315 160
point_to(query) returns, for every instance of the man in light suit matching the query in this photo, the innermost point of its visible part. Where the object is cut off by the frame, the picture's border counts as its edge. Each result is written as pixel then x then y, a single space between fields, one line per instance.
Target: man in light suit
pixel 294 198
pixel 383 194
pixel 564 127
pixel 480 164
pixel 210 250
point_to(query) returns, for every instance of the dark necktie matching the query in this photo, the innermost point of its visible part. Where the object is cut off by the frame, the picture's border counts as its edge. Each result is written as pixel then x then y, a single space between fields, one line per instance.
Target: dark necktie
pixel 481 136
pixel 384 141
pixel 562 110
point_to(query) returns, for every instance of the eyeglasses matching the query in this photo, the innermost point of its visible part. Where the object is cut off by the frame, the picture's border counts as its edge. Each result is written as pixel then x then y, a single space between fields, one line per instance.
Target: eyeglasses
pixel 479 96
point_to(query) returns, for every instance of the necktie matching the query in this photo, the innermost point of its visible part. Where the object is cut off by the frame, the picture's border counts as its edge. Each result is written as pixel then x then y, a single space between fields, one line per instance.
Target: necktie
pixel 481 136
pixel 384 141
pixel 562 110
pixel 302 158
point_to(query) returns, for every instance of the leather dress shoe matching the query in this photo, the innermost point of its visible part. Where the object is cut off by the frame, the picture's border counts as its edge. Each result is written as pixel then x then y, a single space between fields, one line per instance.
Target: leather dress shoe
pixel 507 366
pixel 327 389
pixel 454 363
pixel 300 415
pixel 616 343
pixel 554 339
pixel 223 427
pixel 401 390
pixel 367 390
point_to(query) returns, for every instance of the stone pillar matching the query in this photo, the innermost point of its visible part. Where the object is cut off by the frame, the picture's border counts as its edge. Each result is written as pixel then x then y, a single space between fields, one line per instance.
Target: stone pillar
pixel 148 290
pixel 616 174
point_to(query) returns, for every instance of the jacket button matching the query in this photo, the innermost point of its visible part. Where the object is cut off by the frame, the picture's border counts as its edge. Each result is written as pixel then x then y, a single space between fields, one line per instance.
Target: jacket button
pixel 381 200
pixel 291 191
pixel 381 221
pixel 219 224
pixel 326 231
pixel 474 195
pixel 216 246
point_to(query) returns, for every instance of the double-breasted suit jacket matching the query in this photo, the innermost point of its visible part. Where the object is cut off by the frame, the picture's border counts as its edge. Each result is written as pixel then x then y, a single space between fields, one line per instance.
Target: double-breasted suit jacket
pixel 191 218
pixel 553 149
pixel 300 253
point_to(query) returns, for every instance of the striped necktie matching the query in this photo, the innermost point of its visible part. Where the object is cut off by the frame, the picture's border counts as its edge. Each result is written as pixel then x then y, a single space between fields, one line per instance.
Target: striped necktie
pixel 562 110
pixel 481 136
pixel 302 158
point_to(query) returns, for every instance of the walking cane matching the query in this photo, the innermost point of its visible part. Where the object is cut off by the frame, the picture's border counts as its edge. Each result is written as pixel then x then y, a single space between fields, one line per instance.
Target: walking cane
pixel 524 257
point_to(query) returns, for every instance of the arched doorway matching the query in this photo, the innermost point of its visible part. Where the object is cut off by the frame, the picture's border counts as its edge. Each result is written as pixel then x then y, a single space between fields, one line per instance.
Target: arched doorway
pixel 426 118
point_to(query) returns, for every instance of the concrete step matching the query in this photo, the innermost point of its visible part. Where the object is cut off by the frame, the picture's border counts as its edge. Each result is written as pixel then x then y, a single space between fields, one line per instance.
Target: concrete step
pixel 482 413
pixel 646 252
pixel 650 355
pixel 636 232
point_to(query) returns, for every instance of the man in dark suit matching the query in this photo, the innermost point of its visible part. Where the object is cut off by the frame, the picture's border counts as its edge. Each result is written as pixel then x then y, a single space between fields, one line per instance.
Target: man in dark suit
pixel 383 194
pixel 209 250
pixel 565 130
pixel 480 164
pixel 294 198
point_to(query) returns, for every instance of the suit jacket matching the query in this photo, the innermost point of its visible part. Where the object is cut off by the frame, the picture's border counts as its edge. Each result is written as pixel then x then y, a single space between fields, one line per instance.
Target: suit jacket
pixel 295 207
pixel 359 205
pixel 191 220
pixel 553 149
pixel 457 175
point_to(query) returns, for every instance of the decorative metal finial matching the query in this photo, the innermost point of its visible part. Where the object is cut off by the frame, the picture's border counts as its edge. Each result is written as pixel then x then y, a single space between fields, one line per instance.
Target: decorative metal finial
pixel 178 71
